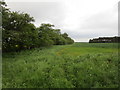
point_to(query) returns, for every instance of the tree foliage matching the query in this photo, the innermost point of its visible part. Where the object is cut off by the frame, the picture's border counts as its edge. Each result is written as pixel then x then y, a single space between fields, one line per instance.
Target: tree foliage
pixel 19 33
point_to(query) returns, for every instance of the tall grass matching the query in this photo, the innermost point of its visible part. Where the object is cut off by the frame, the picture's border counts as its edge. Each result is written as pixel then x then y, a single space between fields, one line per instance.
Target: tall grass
pixel 81 65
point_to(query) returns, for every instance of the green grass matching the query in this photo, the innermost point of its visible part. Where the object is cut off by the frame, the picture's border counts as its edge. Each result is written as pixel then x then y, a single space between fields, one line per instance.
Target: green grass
pixel 81 65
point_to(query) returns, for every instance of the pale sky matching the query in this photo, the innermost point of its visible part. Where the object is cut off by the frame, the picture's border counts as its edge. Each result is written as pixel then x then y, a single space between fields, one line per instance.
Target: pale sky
pixel 81 19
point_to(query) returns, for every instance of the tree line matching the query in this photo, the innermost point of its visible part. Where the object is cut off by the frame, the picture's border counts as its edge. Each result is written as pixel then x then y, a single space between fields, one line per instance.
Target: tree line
pixel 19 33
pixel 105 40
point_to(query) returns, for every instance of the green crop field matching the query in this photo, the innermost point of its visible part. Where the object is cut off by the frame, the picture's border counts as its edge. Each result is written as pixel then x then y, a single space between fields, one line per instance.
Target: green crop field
pixel 80 65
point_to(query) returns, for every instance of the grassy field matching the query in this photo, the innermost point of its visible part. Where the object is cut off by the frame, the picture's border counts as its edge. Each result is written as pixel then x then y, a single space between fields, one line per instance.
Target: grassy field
pixel 81 65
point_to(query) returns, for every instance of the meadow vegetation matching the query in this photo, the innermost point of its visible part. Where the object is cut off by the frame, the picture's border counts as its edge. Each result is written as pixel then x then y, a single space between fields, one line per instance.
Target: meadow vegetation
pixel 80 65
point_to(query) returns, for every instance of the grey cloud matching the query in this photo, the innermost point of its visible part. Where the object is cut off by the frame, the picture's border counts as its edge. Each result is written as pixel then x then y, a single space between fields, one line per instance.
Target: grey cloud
pixel 101 24
pixel 102 21
pixel 42 11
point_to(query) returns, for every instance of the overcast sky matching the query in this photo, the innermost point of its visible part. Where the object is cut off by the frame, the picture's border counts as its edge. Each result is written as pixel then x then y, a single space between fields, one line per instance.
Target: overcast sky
pixel 81 19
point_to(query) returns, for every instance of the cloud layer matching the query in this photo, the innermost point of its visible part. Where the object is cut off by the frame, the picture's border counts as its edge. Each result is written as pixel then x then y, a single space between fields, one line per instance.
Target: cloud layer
pixel 81 19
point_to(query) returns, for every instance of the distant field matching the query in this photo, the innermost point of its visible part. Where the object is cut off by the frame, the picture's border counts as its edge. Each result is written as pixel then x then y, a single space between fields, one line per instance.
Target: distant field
pixel 80 65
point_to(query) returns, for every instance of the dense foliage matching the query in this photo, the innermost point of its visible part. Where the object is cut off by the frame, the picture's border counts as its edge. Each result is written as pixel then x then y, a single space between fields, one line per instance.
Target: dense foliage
pixel 80 65
pixel 115 39
pixel 19 33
